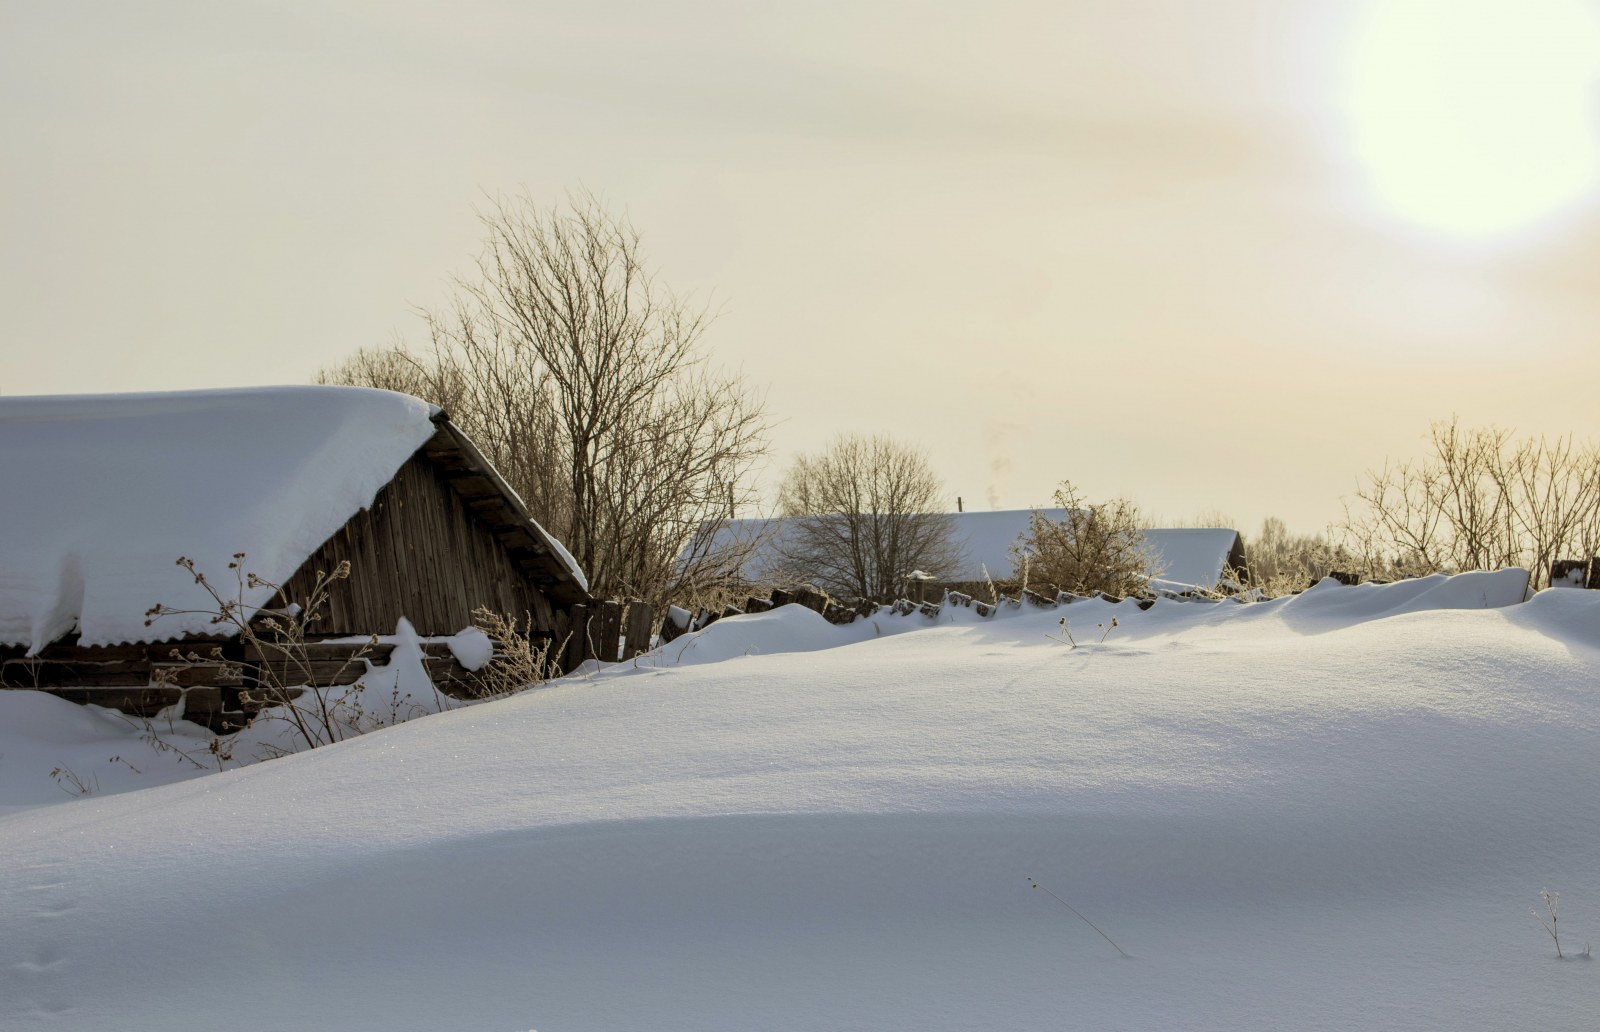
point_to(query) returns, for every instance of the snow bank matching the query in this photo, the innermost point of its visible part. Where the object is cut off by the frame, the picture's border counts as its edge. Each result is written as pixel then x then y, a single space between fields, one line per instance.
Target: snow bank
pixel 1479 589
pixel 104 493
pixel 52 750
pixel 791 628
pixel 1327 811
pixel 472 648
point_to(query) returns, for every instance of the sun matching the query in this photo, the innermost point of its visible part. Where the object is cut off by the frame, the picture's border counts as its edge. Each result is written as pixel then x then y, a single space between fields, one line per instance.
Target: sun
pixel 1476 118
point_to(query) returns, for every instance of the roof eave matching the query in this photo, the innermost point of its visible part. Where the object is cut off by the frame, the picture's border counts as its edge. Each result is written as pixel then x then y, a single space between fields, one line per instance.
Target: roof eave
pixel 515 525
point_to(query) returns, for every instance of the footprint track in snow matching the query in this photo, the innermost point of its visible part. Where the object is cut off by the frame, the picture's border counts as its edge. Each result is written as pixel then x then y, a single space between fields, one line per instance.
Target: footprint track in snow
pixel 59 908
pixel 53 1010
pixel 44 960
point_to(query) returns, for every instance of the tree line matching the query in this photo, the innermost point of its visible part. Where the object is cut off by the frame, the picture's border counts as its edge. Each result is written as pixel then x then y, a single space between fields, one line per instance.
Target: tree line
pixel 586 382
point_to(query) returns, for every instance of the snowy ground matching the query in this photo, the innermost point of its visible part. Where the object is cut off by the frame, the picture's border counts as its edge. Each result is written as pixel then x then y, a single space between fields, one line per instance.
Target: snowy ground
pixel 1333 811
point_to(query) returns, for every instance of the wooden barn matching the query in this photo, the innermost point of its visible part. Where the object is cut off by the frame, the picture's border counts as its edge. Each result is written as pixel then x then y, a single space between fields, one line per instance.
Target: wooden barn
pixel 104 494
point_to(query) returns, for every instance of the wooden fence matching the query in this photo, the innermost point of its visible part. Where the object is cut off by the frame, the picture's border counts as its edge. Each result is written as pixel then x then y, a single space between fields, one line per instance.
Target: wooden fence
pixel 843 611
pixel 608 631
pixel 930 599
pixel 1575 573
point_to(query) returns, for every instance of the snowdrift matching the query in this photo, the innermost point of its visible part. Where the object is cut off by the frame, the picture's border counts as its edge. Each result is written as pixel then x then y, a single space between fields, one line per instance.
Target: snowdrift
pixel 1332 811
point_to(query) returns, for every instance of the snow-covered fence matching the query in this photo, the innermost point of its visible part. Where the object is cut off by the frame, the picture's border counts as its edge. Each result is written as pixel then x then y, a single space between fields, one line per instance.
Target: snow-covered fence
pixel 681 621
pixel 843 611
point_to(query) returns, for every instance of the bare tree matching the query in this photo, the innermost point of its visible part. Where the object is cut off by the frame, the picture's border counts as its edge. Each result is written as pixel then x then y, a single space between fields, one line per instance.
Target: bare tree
pixel 1094 547
pixel 396 369
pixel 865 513
pixel 1481 501
pixel 586 384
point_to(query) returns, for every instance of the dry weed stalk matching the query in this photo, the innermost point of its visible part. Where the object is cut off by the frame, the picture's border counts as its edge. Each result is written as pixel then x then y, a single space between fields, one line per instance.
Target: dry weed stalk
pixel 517 662
pixel 1552 902
pixel 277 636
pixel 1034 884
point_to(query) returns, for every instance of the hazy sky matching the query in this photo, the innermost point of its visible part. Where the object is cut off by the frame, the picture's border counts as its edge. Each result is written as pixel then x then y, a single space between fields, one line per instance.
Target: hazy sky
pixel 1207 254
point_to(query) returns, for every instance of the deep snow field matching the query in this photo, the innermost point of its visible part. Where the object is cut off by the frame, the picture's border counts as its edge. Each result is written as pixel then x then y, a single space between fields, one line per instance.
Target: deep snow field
pixel 1333 811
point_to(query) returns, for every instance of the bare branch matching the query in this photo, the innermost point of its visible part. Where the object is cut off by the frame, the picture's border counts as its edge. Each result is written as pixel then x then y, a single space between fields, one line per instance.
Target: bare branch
pixel 585 384
pixel 869 512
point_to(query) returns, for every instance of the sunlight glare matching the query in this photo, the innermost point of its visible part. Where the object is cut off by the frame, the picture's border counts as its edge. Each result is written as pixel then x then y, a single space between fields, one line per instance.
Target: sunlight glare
pixel 1476 118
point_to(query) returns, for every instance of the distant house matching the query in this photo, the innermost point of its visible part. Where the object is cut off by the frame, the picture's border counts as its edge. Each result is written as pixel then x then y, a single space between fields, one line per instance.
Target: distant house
pixel 1180 557
pixel 103 494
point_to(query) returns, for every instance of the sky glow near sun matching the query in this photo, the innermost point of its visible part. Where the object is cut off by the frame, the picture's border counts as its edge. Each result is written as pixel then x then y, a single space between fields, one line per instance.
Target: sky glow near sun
pixel 933 227
pixel 1477 118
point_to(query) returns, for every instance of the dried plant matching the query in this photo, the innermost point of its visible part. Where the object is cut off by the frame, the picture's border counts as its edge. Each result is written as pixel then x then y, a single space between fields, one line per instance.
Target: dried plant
pixel 1034 884
pixel 518 662
pixel 72 784
pixel 1066 638
pixel 1552 903
pixel 278 673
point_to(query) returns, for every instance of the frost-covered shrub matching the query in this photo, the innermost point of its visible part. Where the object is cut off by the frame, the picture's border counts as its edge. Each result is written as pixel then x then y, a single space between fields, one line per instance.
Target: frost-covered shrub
pixel 1094 547
pixel 1281 563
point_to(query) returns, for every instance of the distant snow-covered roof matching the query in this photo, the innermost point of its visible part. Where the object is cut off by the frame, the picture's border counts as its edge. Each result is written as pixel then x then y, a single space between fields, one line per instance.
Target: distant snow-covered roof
pixel 1179 556
pixel 762 541
pixel 100 495
pixel 1190 557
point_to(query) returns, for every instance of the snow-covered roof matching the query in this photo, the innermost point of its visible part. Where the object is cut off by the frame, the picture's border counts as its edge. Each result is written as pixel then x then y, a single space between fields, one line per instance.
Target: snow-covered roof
pixel 101 494
pixel 1179 556
pixel 763 539
pixel 1190 557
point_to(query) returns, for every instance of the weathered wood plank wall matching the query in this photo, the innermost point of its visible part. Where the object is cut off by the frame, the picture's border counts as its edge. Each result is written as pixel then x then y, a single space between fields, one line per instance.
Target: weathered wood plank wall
pixel 419 553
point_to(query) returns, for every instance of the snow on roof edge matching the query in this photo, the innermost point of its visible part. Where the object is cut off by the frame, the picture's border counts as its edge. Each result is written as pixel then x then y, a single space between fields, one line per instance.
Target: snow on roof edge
pixel 124 484
pixel 465 443
pixel 183 464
